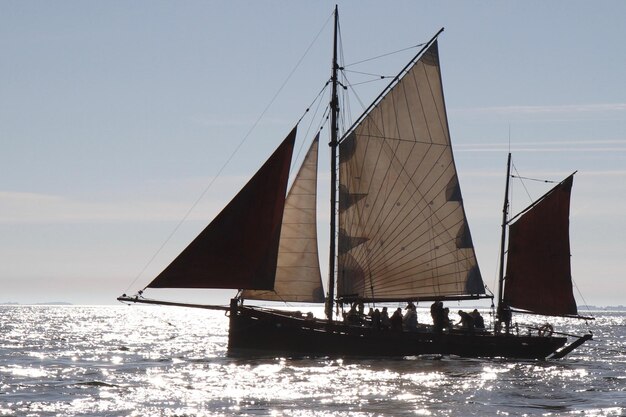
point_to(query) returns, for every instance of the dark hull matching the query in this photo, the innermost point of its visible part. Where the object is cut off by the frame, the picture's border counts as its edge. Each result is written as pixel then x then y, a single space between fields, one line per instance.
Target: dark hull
pixel 255 332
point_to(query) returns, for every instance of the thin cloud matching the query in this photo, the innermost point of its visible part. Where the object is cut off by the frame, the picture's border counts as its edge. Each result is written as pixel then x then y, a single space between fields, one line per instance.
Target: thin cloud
pixel 546 149
pixel 607 173
pixel 482 173
pixel 557 109
pixel 221 121
pixel 33 208
pixel 609 145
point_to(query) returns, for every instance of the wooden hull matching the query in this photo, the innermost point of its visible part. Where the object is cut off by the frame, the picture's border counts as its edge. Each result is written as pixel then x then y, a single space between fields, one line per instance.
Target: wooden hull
pixel 257 332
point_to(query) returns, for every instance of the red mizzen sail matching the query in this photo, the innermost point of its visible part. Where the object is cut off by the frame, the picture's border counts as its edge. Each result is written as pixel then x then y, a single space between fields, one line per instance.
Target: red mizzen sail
pixel 538 273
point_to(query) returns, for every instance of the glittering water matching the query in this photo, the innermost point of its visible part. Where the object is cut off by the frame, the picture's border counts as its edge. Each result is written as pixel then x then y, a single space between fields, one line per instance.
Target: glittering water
pixel 159 361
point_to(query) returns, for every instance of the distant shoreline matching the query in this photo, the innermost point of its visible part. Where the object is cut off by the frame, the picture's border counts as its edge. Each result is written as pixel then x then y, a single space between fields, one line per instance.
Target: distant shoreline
pixel 63 303
pixel 51 303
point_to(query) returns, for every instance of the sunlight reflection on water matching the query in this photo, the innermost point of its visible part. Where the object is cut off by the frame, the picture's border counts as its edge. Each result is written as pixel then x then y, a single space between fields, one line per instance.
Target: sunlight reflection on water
pixel 98 361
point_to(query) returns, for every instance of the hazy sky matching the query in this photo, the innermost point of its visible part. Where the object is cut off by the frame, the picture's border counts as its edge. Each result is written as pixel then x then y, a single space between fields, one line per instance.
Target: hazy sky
pixel 115 116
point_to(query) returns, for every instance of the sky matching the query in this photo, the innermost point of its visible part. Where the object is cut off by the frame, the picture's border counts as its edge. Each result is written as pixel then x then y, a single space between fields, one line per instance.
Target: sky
pixel 117 119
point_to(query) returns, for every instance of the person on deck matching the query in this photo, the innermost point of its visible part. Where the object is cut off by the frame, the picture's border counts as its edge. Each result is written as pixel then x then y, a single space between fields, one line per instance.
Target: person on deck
pixel 352 317
pixel 376 319
pixel 479 322
pixel 466 321
pixel 396 320
pixel 385 323
pixel 446 318
pixel 409 321
pixel 436 312
pixel 504 316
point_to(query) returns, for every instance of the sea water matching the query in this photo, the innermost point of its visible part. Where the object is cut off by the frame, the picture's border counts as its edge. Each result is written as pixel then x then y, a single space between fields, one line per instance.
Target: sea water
pixel 165 361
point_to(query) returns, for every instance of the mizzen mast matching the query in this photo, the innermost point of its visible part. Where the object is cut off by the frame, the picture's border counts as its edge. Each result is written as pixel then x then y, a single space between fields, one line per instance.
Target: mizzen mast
pixel 505 213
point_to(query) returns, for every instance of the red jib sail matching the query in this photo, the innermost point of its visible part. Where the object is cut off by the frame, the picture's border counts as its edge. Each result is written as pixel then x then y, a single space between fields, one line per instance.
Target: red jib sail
pixel 538 274
pixel 239 248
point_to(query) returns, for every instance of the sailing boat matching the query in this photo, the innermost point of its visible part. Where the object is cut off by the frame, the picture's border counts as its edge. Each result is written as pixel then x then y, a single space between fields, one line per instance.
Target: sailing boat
pixel 399 233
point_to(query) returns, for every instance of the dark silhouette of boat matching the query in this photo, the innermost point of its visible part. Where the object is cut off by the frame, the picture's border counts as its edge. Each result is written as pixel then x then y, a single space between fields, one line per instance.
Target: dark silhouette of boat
pixel 399 234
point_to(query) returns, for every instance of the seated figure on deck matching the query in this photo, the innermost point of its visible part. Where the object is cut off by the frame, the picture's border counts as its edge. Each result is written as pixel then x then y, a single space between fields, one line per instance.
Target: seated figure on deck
pixel 353 316
pixel 479 322
pixel 396 320
pixel 504 316
pixel 409 321
pixel 446 318
pixel 466 321
pixel 376 319
pixel 385 323
pixel 437 313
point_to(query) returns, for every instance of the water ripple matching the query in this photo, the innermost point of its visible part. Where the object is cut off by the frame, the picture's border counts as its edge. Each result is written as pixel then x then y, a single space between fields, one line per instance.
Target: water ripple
pixel 102 361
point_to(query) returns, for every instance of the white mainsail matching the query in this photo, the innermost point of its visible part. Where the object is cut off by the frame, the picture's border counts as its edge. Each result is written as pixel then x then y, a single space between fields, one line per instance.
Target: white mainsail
pixel 298 277
pixel 403 232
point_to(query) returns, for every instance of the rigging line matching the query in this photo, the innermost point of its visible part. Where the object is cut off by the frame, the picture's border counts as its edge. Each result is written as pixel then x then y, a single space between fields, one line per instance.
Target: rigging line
pixel 322 120
pixel 271 293
pixel 409 234
pixel 522 182
pixel 354 92
pixel 421 100
pixel 399 139
pixel 420 249
pixel 401 239
pixel 345 111
pixel 369 73
pixel 534 179
pixel 314 100
pixel 367 82
pixel 416 203
pixel 313 118
pixel 366 220
pixel 579 293
pixel 496 274
pixel 378 159
pixel 245 138
pixel 400 276
pixel 445 126
pixel 398 77
pixel 358 219
pixel 428 127
pixel 343 99
pixel 393 157
pixel 345 108
pixel 384 55
pixel 443 245
pixel 383 249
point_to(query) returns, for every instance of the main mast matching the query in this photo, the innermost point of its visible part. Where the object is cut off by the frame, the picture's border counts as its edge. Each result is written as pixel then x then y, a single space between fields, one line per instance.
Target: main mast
pixel 334 113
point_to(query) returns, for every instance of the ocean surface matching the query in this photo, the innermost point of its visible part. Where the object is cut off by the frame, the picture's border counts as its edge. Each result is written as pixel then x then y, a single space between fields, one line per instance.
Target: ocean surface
pixel 168 361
